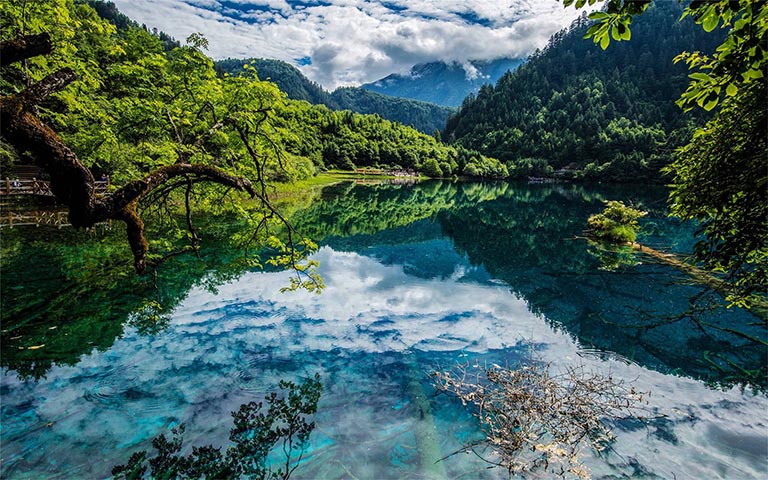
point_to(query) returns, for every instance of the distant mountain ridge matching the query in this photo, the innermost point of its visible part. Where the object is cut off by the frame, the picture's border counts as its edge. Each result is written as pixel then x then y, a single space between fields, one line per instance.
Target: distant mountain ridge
pixel 443 83
pixel 423 116
pixel 575 110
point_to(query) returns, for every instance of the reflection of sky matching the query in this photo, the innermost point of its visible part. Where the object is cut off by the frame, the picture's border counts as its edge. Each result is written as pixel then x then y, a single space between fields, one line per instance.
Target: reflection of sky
pixel 371 307
pixel 372 335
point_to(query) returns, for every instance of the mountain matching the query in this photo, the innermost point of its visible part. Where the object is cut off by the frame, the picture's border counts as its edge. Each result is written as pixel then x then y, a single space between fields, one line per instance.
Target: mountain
pixel 602 115
pixel 443 83
pixel 425 117
pixel 287 77
pixel 109 12
pixel 138 131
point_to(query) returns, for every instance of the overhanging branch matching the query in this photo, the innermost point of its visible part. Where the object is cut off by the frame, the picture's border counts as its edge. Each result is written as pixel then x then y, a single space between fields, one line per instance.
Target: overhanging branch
pixel 71 181
pixel 25 47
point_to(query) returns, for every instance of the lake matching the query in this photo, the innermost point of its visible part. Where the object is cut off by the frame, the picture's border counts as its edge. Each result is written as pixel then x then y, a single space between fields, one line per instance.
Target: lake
pixel 97 362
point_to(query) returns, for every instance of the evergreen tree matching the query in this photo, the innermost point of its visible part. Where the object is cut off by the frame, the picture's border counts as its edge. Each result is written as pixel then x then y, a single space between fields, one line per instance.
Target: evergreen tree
pixel 594 115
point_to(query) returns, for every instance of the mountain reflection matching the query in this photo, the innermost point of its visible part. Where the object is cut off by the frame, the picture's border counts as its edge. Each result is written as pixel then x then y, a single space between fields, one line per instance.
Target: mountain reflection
pixel 96 364
pixel 470 243
pixel 528 238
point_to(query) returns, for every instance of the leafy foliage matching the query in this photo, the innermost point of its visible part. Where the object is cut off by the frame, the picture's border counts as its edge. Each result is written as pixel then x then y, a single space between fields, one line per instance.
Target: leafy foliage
pixel 348 140
pixel 721 181
pixel 422 116
pixel 138 111
pixel 617 223
pixel 736 63
pixel 256 433
pixel 575 111
pixel 108 11
pixel 720 177
pixel 287 77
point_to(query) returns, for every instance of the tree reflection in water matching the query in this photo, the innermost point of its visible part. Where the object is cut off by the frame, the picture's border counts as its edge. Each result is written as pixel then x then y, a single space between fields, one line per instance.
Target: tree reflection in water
pixel 259 436
pixel 74 292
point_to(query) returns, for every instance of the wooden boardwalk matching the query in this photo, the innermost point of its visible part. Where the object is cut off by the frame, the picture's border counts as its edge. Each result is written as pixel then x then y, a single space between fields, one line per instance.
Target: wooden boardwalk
pixel 41 188
pixel 391 173
pixel 37 218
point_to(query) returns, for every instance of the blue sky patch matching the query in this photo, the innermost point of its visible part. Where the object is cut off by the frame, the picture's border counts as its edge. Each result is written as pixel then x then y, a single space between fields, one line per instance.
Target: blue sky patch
pixel 353 42
pixel 303 61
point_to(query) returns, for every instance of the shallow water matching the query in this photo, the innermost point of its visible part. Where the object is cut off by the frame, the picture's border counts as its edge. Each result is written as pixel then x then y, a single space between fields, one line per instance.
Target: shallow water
pixel 418 278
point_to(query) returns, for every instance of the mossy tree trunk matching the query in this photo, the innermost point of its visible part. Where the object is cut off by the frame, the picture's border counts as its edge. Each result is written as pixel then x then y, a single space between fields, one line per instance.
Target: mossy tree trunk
pixel 71 181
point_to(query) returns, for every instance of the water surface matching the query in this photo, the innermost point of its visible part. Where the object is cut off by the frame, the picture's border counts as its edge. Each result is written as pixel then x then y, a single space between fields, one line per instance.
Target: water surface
pixel 97 362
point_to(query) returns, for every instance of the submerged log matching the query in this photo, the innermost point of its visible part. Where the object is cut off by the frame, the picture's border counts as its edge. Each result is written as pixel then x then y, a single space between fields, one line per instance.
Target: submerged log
pixel 758 307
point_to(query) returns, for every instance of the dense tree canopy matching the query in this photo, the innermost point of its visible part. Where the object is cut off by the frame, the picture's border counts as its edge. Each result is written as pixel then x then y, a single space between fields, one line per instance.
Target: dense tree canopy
pixel 423 116
pixel 158 123
pixel 607 116
pixel 720 176
pixel 90 100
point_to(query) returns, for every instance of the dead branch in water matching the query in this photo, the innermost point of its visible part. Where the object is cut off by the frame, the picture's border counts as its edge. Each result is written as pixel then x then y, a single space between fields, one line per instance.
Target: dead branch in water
pixel 534 420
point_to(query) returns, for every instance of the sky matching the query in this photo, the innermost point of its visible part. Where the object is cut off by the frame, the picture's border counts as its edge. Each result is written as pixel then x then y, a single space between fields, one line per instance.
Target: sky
pixel 350 42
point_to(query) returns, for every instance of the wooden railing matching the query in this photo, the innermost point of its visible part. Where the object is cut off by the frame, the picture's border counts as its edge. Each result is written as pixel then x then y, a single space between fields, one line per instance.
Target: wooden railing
pixel 391 173
pixel 40 187
pixel 35 218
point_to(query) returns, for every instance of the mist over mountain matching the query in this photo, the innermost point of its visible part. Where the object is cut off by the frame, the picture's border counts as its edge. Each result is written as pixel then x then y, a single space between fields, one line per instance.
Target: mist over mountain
pixel 351 42
pixel 603 115
pixel 444 83
pixel 423 116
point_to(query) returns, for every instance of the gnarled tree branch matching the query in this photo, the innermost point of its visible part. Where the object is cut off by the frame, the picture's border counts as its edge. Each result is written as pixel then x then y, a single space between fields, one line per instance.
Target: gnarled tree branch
pixel 25 47
pixel 71 181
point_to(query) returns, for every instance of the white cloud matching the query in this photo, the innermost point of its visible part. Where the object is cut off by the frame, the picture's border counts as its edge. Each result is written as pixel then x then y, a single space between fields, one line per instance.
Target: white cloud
pixel 356 41
pixel 470 71
pixel 371 336
pixel 364 299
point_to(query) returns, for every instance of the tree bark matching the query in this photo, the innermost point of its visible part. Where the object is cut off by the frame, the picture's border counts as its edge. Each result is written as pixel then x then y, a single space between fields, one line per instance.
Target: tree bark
pixel 72 182
pixel 758 307
pixel 21 48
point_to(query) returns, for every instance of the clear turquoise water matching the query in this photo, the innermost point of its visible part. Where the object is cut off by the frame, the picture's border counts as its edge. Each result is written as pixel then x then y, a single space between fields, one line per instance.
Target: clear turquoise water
pixel 418 278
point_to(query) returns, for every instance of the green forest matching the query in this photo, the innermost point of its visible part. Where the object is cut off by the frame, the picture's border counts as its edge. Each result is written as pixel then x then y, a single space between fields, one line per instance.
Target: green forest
pixel 159 117
pixel 140 101
pixel 592 114
pixel 423 116
pixel 213 267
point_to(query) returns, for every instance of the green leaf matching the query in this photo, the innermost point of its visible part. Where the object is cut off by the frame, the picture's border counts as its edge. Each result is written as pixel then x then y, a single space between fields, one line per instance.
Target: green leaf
pixel 615 33
pixel 700 77
pixel 624 32
pixel 752 74
pixel 711 104
pixel 605 41
pixel 592 30
pixel 710 22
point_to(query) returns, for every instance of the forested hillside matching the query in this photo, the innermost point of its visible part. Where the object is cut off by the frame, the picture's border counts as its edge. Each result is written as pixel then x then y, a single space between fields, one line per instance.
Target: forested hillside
pixel 444 83
pixel 109 12
pixel 287 77
pixel 81 99
pixel 139 103
pixel 423 116
pixel 602 115
pixel 347 140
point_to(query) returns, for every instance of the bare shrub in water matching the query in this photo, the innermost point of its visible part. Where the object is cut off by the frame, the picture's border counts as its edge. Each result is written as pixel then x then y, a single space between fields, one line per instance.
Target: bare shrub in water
pixel 537 421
